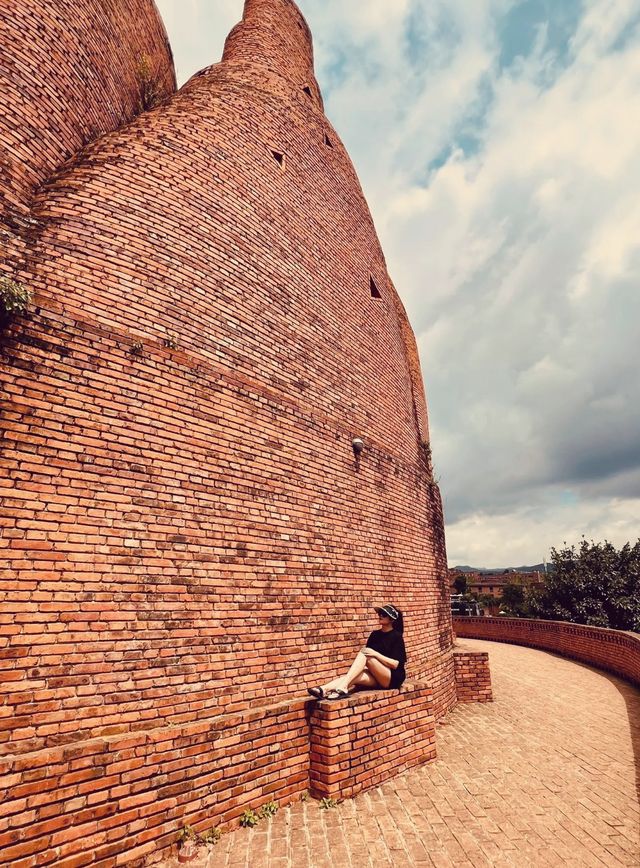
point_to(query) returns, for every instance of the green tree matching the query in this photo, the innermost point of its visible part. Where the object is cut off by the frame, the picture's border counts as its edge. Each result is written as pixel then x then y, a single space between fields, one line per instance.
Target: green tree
pixel 488 601
pixel 513 600
pixel 594 584
pixel 460 584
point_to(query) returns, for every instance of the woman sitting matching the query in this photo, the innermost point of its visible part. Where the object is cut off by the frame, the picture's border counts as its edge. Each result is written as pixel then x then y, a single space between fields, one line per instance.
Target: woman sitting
pixel 380 664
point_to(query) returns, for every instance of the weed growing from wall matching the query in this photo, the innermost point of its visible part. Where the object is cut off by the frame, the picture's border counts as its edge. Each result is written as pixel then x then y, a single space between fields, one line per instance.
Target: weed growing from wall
pixel 249 819
pixel 326 804
pixel 150 88
pixel 14 299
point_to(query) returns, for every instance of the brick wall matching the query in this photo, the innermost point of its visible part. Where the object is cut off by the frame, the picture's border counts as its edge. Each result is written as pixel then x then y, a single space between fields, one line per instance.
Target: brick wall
pixel 440 676
pixel 184 531
pixel 71 71
pixel 114 800
pixel 612 650
pixel 118 799
pixel 360 742
pixel 473 676
pixel 273 38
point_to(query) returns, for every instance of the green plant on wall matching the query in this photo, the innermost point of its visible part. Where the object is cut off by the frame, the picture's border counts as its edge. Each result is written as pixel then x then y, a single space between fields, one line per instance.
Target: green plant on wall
pixel 249 819
pixel 150 88
pixel 14 298
pixel 427 455
pixel 187 833
pixel 268 810
pixel 326 804
pixel 212 836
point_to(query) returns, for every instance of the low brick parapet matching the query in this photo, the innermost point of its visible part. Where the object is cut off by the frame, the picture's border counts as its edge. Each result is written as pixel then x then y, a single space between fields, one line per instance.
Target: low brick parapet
pixel 473 676
pixel 360 742
pixel 612 650
pixel 115 800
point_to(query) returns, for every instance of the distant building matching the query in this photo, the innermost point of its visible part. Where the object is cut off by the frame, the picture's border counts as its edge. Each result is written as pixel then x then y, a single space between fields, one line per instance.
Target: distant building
pixel 492 584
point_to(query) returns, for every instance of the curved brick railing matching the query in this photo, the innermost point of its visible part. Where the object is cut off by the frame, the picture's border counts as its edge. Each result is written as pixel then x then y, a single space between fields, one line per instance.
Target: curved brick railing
pixel 613 650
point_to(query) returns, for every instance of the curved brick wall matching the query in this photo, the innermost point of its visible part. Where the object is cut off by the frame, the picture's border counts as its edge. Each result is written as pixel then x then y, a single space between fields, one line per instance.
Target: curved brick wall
pixel 184 529
pixel 613 650
pixel 273 40
pixel 70 72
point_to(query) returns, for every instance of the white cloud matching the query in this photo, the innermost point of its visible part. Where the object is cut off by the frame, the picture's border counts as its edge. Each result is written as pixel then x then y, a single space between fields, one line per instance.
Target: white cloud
pixel 525 535
pixel 197 30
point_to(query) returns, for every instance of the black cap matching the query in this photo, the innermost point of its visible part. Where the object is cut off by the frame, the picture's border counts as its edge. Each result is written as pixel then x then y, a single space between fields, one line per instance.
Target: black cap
pixel 389 611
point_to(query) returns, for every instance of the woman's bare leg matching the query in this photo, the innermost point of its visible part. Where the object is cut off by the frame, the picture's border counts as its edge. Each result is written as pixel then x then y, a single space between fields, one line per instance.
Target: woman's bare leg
pixel 365 680
pixel 380 673
pixel 357 668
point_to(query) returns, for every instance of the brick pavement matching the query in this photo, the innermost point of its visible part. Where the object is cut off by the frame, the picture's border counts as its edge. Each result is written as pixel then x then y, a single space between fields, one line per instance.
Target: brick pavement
pixel 548 774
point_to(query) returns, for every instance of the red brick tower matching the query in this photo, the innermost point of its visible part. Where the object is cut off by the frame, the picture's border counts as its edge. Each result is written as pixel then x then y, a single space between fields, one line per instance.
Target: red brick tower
pixel 186 532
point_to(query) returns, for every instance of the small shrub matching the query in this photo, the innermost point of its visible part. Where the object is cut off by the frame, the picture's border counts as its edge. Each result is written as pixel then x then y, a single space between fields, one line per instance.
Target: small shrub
pixel 249 819
pixel 150 90
pixel 14 298
pixel 428 458
pixel 268 810
pixel 171 342
pixel 212 836
pixel 304 797
pixel 187 833
pixel 136 349
pixel 326 804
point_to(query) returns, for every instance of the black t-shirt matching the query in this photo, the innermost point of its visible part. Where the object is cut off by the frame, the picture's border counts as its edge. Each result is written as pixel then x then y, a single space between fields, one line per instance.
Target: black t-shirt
pixel 390 644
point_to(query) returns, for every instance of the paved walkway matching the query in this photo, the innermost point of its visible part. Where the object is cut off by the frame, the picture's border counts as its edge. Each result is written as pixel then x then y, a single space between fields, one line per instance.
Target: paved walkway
pixel 548 774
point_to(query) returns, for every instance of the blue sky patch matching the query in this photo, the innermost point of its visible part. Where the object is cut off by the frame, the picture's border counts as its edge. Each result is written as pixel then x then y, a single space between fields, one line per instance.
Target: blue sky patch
pixel 521 26
pixel 427 40
pixel 467 136
pixel 628 35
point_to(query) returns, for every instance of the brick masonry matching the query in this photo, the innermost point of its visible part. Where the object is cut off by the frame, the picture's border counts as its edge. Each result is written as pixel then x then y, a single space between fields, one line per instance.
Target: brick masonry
pixel 117 799
pixel 358 743
pixel 184 530
pixel 473 676
pixel 113 800
pixel 544 777
pixel 613 650
pixel 71 72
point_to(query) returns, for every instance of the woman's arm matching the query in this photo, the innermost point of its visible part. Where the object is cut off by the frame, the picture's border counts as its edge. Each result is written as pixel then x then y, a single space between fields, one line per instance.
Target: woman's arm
pixel 388 661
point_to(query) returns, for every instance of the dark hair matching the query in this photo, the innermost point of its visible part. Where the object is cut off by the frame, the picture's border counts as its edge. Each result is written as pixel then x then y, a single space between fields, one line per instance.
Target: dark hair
pixel 398 624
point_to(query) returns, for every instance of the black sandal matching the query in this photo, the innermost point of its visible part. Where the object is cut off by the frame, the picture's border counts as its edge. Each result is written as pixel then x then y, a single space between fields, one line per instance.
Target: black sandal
pixel 316 692
pixel 337 693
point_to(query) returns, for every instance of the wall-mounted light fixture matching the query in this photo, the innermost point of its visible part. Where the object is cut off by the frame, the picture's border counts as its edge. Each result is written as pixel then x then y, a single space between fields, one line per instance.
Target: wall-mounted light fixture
pixel 358 446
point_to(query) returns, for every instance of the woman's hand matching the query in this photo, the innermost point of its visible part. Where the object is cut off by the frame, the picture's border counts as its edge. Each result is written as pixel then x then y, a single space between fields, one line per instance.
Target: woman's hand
pixel 369 652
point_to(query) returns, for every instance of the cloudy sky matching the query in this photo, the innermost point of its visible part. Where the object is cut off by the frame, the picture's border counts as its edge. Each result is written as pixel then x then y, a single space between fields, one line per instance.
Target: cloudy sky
pixel 498 144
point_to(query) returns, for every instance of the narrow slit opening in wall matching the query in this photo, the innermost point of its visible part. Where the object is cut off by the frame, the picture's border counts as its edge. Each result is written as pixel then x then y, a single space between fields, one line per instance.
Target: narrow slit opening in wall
pixel 278 156
pixel 307 90
pixel 375 292
pixel 328 141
